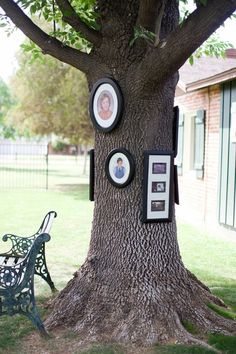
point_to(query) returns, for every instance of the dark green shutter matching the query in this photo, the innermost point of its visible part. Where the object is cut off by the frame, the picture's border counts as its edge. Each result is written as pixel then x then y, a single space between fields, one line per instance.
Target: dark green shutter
pixel 199 143
pixel 179 157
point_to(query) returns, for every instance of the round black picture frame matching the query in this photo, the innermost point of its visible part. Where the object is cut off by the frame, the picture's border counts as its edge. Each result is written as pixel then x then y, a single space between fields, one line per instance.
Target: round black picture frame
pixel 105 105
pixel 120 158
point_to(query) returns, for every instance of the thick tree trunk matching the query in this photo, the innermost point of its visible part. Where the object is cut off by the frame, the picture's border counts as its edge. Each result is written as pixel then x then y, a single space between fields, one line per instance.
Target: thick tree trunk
pixel 133 286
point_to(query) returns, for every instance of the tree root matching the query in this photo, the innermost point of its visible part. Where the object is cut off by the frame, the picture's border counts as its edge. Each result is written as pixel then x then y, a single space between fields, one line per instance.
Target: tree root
pixel 101 313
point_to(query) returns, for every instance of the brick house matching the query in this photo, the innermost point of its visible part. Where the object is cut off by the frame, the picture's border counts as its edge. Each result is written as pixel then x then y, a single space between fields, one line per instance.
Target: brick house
pixel 206 96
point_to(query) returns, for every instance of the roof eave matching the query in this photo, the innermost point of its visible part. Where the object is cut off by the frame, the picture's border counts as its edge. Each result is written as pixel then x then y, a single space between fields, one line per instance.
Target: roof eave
pixel 213 80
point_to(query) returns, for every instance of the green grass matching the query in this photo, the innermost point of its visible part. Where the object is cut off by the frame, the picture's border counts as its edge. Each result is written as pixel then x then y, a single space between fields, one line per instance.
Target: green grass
pixel 222 312
pixel 211 259
pixel 223 343
pixel 14 329
pixel 190 327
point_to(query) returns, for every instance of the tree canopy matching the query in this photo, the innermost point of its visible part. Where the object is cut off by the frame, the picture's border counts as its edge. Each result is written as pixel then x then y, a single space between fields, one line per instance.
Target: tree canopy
pixel 6 103
pixel 51 98
pixel 79 25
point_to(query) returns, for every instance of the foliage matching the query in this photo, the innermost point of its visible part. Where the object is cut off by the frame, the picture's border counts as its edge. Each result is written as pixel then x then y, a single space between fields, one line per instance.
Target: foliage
pixel 86 9
pixel 60 29
pixel 140 32
pixel 6 102
pixel 51 98
pixel 213 47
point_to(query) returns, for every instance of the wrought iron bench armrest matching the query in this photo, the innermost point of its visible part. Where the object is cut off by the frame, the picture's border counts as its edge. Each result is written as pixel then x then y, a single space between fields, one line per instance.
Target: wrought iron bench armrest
pixel 19 245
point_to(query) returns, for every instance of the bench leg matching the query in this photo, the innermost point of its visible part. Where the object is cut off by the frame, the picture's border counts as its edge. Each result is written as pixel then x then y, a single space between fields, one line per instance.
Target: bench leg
pixel 23 303
pixel 33 315
pixel 27 306
pixel 42 270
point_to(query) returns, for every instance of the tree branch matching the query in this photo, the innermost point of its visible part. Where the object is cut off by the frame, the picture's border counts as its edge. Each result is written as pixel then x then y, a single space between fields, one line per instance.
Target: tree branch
pixel 168 57
pixel 158 22
pixel 72 18
pixel 148 12
pixel 48 44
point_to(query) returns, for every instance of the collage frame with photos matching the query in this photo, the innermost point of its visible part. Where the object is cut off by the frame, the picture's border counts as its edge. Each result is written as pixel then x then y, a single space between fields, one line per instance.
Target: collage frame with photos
pixel 158 186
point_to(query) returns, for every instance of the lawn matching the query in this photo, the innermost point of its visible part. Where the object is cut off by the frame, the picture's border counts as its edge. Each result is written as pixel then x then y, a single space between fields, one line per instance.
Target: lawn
pixel 212 259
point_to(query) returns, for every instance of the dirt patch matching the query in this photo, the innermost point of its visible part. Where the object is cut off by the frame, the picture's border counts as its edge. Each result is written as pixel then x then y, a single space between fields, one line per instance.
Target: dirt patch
pixel 65 342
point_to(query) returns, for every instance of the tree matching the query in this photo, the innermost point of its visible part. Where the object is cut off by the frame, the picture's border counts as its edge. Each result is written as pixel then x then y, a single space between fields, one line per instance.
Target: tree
pixel 52 98
pixel 6 102
pixel 133 286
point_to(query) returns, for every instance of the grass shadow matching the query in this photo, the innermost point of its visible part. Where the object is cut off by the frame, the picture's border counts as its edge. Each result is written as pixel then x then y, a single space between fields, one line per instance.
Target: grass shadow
pixel 78 191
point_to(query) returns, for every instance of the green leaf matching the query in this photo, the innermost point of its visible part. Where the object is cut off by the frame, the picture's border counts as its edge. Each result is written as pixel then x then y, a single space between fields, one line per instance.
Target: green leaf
pixel 203 2
pixel 191 60
pixel 33 9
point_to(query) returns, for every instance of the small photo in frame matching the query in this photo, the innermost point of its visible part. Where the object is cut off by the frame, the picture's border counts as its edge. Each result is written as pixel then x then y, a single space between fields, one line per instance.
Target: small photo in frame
pixel 120 167
pixel 158 186
pixel 105 104
pixel 157 205
pixel 159 168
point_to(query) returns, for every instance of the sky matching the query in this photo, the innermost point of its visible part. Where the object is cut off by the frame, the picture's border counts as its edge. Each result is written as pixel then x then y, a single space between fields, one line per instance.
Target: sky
pixel 10 45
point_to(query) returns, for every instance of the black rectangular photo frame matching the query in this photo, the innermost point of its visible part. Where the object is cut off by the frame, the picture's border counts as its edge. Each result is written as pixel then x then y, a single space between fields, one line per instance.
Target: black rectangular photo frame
pixel 175 130
pixel 157 205
pixel 91 175
pixel 176 185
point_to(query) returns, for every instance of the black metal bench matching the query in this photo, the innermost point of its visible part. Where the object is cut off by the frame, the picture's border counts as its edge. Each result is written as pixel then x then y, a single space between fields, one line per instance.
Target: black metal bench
pixel 17 284
pixel 21 246
pixel 17 268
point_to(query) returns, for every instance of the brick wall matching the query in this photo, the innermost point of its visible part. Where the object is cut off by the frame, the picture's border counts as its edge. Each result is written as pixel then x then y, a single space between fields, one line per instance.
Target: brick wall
pixel 198 197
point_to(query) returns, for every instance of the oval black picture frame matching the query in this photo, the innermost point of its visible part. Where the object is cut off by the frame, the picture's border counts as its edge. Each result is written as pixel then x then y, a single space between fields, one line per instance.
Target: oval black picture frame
pixel 109 88
pixel 112 163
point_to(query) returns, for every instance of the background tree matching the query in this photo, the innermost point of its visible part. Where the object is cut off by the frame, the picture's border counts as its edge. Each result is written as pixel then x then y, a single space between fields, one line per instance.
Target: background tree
pixel 52 97
pixel 6 102
pixel 133 286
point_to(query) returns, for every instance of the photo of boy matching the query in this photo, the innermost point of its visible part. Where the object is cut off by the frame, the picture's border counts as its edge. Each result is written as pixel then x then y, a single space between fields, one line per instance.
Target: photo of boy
pixel 119 170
